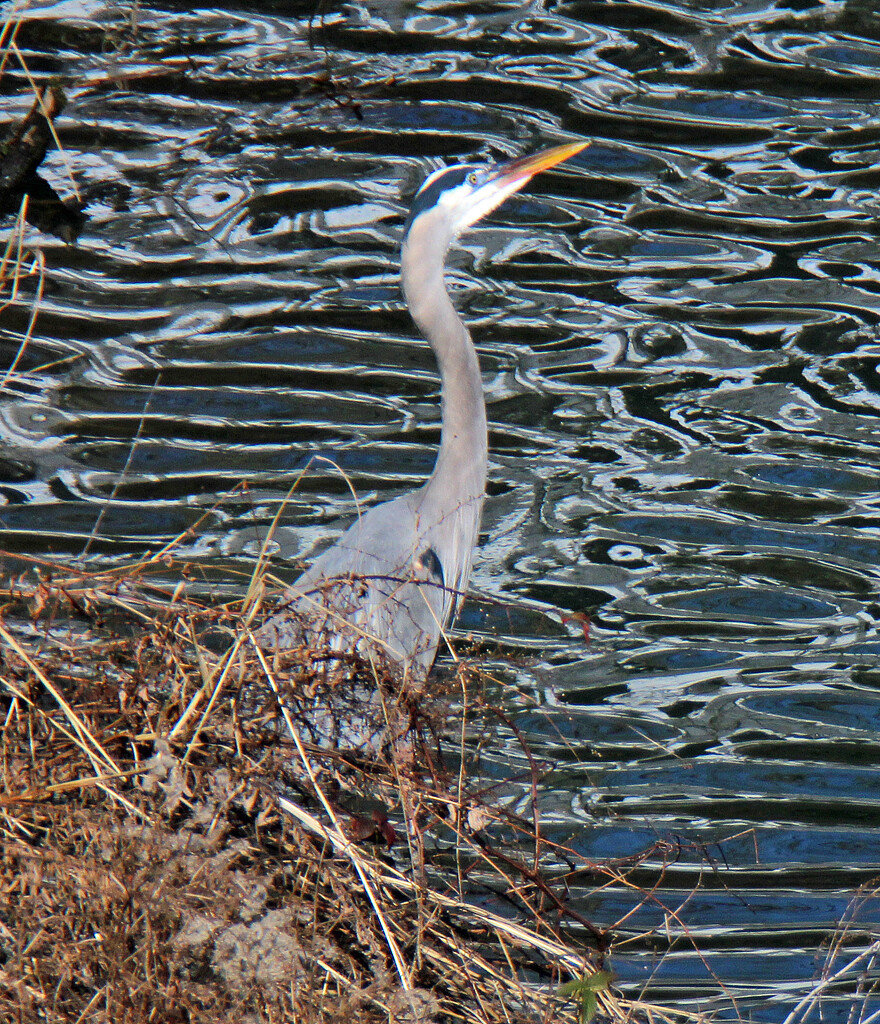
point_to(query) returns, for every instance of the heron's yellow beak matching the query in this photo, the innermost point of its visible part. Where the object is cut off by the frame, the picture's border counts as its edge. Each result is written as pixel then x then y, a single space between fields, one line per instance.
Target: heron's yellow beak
pixel 505 179
pixel 517 172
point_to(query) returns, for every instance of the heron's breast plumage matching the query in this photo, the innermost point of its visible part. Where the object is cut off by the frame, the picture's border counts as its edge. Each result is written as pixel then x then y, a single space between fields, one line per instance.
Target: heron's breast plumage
pixel 390 584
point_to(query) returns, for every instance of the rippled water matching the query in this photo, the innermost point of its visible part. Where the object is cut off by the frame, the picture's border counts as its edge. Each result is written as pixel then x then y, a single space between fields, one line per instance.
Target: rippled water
pixel 680 338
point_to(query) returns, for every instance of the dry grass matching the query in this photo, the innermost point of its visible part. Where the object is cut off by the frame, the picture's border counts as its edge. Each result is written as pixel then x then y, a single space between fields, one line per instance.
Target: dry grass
pixel 175 850
pixel 20 264
pixel 850 970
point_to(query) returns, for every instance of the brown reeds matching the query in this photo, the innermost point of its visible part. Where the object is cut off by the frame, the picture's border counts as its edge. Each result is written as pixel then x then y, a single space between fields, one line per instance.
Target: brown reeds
pixel 178 847
pixel 21 152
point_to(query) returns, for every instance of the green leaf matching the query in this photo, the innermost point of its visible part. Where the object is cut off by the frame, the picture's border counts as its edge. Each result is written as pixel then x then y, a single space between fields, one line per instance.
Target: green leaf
pixel 570 988
pixel 598 981
pixel 584 990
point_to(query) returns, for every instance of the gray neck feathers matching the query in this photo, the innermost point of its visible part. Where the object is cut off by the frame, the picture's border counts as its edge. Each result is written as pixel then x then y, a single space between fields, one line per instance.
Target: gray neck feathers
pixel 461 462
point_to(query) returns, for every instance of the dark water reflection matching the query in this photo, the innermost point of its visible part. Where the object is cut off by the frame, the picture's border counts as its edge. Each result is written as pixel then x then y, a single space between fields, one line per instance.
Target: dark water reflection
pixel 680 336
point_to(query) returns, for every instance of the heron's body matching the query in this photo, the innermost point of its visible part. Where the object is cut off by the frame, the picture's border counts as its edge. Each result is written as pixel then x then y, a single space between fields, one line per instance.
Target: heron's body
pixel 395 578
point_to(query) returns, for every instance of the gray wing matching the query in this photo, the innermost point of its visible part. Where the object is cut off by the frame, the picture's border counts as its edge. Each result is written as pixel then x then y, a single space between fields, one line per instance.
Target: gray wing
pixel 382 586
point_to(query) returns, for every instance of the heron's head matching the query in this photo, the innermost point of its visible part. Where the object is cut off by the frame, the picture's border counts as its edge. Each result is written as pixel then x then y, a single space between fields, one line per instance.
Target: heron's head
pixel 453 198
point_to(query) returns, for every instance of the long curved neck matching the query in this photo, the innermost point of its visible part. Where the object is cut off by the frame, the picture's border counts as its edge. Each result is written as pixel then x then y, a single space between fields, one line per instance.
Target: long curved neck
pixel 461 462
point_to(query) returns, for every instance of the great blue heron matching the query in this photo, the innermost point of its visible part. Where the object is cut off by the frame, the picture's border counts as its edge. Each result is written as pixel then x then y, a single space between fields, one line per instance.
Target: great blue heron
pixel 392 582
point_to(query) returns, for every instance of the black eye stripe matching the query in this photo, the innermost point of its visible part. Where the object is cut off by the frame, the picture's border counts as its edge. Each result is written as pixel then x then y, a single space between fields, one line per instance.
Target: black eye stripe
pixel 430 195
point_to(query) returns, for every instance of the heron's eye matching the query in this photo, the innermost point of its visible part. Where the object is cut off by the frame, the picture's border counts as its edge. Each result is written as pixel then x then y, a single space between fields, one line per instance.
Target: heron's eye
pixel 473 178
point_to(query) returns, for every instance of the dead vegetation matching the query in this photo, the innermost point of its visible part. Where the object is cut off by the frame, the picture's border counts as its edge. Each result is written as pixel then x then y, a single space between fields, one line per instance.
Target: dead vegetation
pixel 177 848
pixel 22 195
